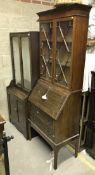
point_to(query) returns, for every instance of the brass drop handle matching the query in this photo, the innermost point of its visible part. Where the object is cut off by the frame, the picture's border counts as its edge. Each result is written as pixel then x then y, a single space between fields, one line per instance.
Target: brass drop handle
pixel 44 97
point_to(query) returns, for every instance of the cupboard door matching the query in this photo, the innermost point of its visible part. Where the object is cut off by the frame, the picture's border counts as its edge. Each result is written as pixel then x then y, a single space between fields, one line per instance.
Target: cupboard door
pixel 63 51
pixel 16 56
pixel 46 31
pixel 26 62
pixel 13 109
pixel 21 114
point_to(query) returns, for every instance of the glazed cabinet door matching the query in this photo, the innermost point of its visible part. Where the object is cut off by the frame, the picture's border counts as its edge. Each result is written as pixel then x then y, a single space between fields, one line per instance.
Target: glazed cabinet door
pixel 46 34
pixel 64 31
pixel 26 63
pixel 15 43
pixel 56 50
pixel 20 46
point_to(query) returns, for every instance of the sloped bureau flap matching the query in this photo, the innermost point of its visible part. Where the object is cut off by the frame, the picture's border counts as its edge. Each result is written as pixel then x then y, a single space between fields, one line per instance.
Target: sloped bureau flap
pixel 48 99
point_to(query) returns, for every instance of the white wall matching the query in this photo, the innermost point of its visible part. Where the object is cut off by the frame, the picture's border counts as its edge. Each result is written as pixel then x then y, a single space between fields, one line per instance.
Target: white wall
pixel 90 53
pixel 15 16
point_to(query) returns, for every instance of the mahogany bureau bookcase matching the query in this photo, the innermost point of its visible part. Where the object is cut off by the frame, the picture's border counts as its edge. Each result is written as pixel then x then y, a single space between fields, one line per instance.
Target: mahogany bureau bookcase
pixel 54 103
pixel 25 66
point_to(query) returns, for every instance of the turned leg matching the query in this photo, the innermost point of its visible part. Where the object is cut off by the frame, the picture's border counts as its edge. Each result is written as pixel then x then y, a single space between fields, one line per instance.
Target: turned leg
pixel 76 147
pixel 55 158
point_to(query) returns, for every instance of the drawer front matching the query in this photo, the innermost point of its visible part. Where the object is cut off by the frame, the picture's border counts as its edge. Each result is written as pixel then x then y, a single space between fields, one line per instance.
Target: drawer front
pixel 42 120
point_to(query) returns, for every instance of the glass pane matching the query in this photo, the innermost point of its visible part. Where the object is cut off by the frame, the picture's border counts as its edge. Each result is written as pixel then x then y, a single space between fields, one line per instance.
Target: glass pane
pixel 46 50
pixel 16 60
pixel 26 62
pixel 63 55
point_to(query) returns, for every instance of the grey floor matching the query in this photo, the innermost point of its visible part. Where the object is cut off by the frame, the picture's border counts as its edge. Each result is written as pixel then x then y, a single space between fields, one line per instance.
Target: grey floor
pixel 35 157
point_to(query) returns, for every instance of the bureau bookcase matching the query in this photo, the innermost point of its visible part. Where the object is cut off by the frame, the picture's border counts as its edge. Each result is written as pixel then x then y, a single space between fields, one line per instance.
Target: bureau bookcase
pixel 54 103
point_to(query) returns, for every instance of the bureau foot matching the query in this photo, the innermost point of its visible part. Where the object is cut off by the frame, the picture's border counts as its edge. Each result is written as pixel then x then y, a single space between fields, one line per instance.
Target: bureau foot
pixel 55 158
pixel 29 130
pixel 76 147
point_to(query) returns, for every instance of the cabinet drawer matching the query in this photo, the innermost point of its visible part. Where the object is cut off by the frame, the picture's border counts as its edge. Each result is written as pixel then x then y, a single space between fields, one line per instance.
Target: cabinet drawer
pixel 42 120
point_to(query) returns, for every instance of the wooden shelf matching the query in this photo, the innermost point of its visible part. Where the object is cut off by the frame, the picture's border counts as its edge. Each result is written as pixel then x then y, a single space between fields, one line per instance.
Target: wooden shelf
pixel 91 42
